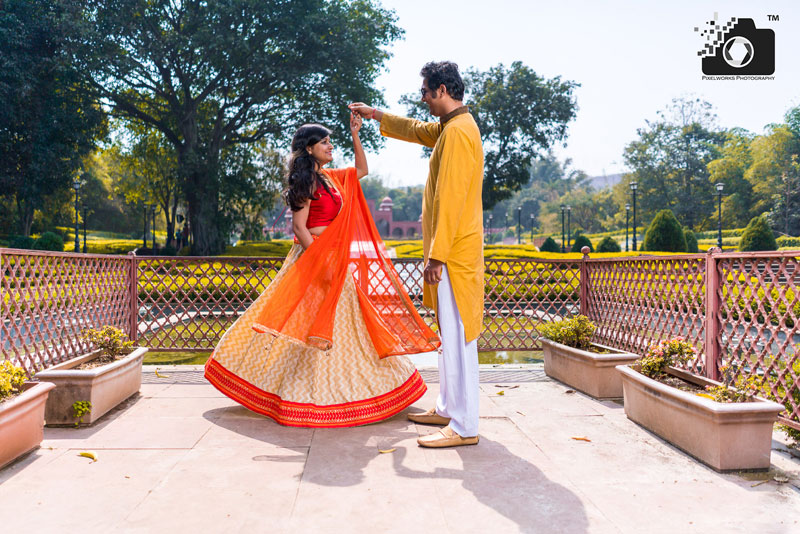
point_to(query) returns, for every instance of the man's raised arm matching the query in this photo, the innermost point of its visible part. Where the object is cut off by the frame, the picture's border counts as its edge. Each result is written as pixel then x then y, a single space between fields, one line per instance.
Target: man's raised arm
pixel 403 128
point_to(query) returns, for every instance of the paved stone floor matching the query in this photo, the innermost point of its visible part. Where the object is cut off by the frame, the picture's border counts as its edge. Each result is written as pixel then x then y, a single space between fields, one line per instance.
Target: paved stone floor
pixel 180 457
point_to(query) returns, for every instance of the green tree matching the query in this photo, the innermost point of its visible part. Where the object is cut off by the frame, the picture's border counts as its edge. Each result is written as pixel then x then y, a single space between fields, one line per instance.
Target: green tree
pixel 550 245
pixel 670 161
pixel 513 134
pixel 740 202
pixel 150 174
pixel 211 75
pixel 48 120
pixel 775 175
pixel 608 244
pixel 757 236
pixel 664 234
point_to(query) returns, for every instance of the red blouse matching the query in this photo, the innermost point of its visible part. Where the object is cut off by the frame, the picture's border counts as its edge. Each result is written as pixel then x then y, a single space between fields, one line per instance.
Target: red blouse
pixel 323 210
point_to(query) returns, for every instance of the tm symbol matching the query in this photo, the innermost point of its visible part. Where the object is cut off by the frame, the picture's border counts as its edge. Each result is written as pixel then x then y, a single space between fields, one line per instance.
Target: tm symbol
pixel 773 18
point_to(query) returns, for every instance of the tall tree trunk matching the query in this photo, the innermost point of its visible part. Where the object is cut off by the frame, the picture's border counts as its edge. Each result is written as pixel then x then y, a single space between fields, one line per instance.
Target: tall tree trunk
pixel 201 191
pixel 25 210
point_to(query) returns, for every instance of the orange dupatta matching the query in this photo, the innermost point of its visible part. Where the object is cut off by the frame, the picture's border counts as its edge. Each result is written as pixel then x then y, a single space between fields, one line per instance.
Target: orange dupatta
pixel 303 305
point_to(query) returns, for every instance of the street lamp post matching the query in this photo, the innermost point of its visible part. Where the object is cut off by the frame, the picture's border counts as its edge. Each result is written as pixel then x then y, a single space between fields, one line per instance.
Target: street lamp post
pixel 153 217
pixel 531 228
pixel 634 186
pixel 719 187
pixel 627 213
pixel 144 230
pixel 569 225
pixel 491 234
pixel 76 184
pixel 84 228
pixel 519 225
pixel 563 209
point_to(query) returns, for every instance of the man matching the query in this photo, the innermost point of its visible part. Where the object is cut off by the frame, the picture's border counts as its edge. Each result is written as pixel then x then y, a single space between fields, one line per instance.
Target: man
pixel 452 244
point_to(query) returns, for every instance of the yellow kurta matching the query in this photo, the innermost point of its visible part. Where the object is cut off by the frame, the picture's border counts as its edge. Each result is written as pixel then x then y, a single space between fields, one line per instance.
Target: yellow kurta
pixel 452 208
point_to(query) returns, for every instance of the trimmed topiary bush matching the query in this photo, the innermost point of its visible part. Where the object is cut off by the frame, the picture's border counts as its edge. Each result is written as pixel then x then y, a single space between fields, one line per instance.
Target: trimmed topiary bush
pixel 49 241
pixel 664 234
pixel 550 245
pixel 608 244
pixel 691 241
pixel 580 242
pixel 758 236
pixel 21 241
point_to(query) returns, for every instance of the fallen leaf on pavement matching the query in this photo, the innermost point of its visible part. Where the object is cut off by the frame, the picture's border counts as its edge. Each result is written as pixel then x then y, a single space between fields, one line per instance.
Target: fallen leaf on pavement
pixel 570 391
pixel 501 392
pixel 581 438
pixel 384 451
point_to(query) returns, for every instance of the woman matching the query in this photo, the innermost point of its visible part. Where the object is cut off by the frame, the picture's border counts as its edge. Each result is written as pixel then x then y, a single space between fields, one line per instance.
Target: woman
pixel 323 345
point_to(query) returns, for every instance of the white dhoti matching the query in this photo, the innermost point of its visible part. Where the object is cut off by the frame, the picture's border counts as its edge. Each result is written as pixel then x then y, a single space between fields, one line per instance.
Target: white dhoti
pixel 458 365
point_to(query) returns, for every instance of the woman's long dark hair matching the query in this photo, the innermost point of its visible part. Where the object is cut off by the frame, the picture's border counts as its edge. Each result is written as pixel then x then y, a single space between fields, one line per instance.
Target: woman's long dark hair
pixel 302 176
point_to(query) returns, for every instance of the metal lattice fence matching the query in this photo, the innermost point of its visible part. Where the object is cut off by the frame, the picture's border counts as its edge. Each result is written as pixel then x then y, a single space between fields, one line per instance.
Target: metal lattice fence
pixel 740 310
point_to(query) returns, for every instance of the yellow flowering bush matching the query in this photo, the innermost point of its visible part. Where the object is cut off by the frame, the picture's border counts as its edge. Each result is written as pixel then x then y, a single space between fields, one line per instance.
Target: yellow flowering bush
pixel 11 379
pixel 576 332
pixel 111 341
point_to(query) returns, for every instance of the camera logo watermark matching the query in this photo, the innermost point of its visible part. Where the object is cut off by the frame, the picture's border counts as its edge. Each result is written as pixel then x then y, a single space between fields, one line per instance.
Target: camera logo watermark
pixel 737 50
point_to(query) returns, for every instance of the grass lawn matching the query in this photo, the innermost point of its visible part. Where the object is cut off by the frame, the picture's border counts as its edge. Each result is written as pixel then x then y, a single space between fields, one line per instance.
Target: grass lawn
pixel 176 358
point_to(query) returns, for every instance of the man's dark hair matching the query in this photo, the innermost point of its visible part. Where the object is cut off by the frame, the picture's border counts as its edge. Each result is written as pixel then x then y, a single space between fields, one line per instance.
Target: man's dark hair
pixel 437 73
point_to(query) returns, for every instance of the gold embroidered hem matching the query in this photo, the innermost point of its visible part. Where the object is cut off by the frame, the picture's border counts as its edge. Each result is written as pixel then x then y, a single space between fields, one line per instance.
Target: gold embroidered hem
pixel 299 385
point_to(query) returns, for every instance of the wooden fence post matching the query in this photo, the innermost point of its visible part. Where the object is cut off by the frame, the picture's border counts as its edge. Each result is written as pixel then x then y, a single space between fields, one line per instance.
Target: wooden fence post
pixel 133 297
pixel 712 324
pixel 584 292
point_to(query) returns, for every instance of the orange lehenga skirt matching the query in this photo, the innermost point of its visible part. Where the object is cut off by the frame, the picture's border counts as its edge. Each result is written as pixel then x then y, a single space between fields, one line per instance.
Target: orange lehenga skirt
pixel 299 385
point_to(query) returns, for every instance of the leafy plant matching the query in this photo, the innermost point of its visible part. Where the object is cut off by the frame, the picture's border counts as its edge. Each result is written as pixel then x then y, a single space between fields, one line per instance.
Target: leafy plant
pixel 576 332
pixel 737 388
pixel 665 234
pixel 111 341
pixel 11 379
pixel 608 244
pixel 758 236
pixel 666 353
pixel 691 241
pixel 79 409
pixel 49 241
pixel 550 245
pixel 786 392
pixel 580 242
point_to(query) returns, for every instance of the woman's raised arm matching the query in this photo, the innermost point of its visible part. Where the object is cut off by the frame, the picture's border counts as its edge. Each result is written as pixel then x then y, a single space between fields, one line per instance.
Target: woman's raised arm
pixel 361 158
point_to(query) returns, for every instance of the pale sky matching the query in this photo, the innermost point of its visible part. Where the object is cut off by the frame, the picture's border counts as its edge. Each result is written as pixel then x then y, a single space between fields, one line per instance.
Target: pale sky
pixel 630 57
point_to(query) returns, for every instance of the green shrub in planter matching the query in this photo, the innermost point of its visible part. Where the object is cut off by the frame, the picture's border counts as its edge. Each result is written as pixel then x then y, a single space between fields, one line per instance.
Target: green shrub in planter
pixel 580 242
pixel 666 353
pixel 664 234
pixel 691 242
pixel 608 244
pixel 576 332
pixel 49 241
pixel 758 236
pixel 549 245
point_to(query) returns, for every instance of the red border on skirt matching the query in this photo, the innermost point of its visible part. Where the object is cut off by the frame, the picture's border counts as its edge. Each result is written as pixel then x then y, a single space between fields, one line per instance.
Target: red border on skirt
pixel 311 415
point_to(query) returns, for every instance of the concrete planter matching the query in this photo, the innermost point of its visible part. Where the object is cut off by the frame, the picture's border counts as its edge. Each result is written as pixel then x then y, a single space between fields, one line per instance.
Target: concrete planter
pixel 593 373
pixel 104 386
pixel 724 436
pixel 21 421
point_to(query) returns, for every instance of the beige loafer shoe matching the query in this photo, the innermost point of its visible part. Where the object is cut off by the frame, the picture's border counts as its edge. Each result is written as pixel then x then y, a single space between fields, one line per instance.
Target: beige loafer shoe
pixel 446 437
pixel 429 418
